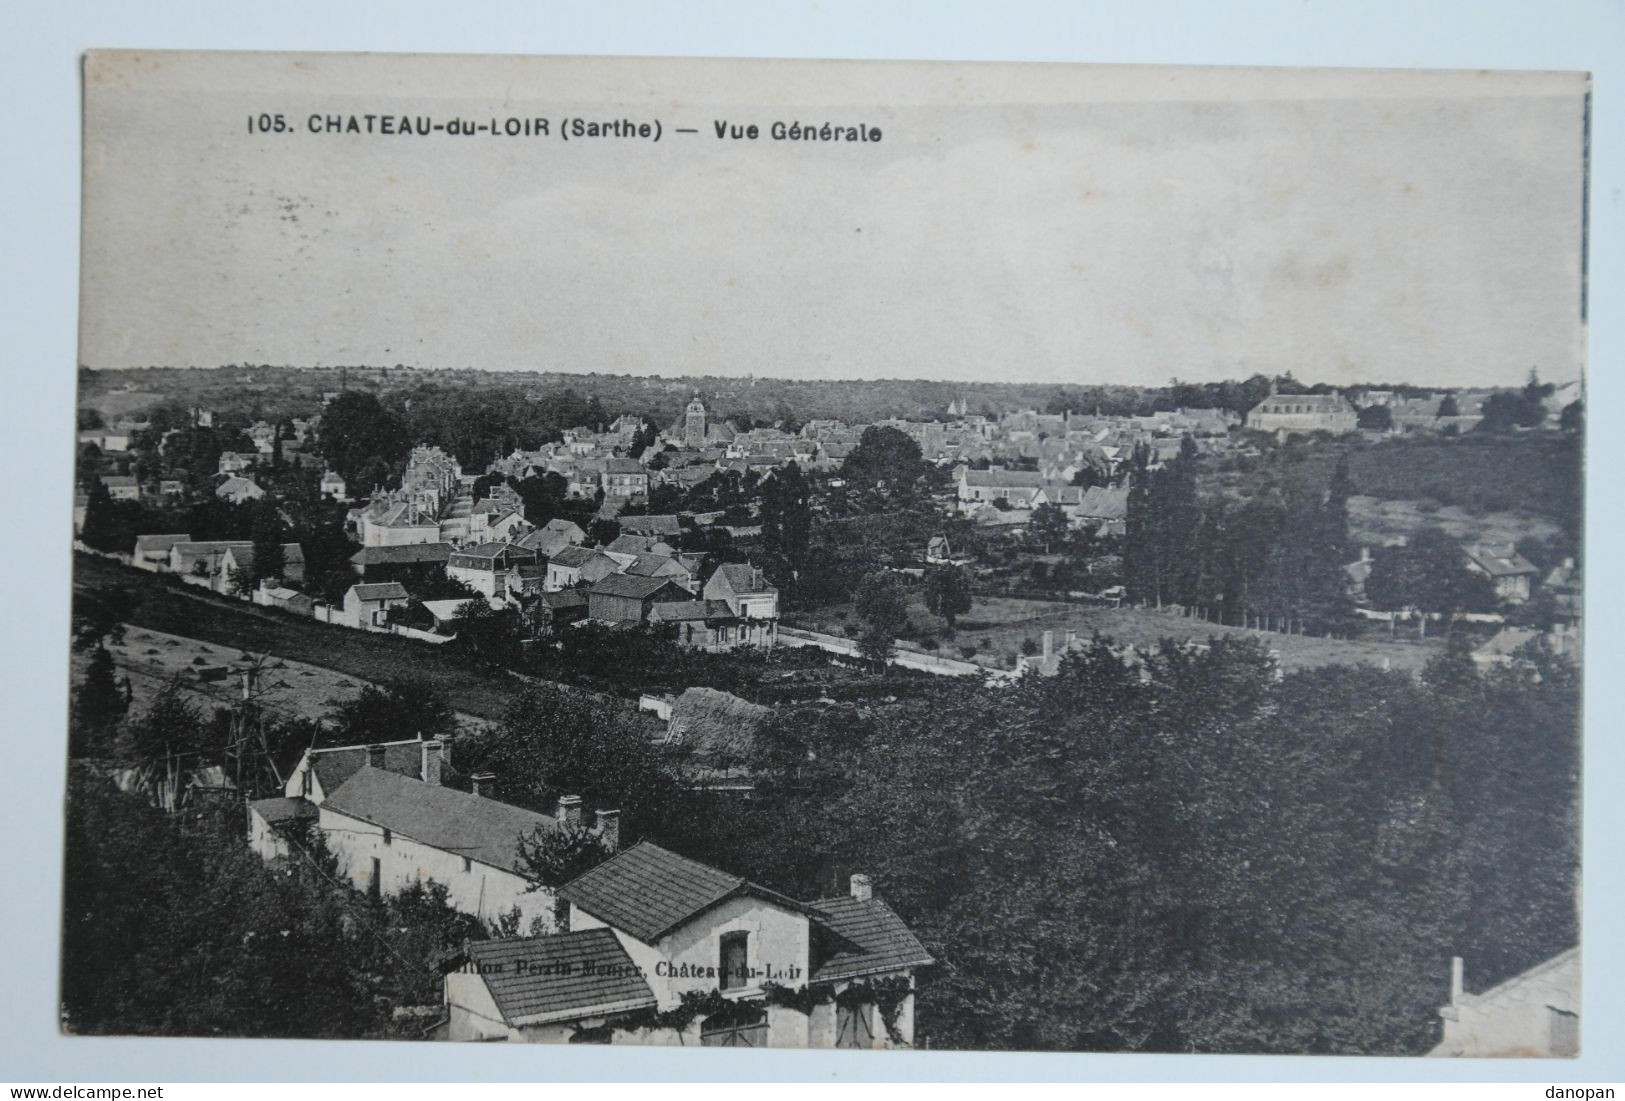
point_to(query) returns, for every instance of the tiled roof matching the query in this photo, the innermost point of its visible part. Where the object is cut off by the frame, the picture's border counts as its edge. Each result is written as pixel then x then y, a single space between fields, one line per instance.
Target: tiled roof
pixel 682 611
pixel 863 936
pixel 744 579
pixel 1105 502
pixel 443 818
pixel 149 543
pixel 281 808
pixel 1000 479
pixel 648 891
pixel 1501 564
pixel 1508 641
pixel 655 565
pixel 336 765
pixel 573 556
pixel 382 590
pixel 636 544
pixel 620 584
pixel 536 979
pixel 1317 403
pixel 565 598
pixel 409 554
pixel 651 525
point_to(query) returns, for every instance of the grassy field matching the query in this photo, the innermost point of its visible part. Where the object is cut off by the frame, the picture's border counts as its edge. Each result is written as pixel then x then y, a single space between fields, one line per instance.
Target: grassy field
pixel 1377 522
pixel 1524 480
pixel 236 626
pixel 997 626
pixel 151 658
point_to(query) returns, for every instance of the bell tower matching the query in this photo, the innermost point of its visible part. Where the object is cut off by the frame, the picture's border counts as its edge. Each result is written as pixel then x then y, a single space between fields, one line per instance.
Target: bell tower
pixel 694 423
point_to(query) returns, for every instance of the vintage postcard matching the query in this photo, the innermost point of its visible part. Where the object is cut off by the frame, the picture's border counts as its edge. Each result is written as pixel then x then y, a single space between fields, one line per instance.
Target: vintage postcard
pixel 828 554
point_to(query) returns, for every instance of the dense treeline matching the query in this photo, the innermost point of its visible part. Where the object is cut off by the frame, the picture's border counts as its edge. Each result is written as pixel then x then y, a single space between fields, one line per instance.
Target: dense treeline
pixel 173 927
pixel 1539 473
pixel 1274 559
pixel 1177 851
pixel 497 410
pixel 1187 854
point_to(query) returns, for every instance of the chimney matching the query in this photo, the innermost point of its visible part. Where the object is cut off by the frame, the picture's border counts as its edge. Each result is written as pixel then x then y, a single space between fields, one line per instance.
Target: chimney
pixel 1071 639
pixel 484 784
pixel 1049 646
pixel 375 756
pixel 569 811
pixel 1365 554
pixel 609 829
pixel 432 757
pixel 1568 563
pixel 1455 980
pixel 862 888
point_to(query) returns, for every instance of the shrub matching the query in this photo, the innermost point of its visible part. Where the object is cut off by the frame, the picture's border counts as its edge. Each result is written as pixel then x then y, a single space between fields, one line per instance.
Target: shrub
pixel 967 652
pixel 1029 646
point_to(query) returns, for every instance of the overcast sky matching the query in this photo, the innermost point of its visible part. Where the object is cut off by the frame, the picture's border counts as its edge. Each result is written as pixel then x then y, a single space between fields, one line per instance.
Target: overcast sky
pixel 1043 223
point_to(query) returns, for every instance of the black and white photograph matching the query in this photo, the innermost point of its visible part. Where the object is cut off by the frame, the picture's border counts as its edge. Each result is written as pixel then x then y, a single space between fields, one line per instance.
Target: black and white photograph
pixel 923 556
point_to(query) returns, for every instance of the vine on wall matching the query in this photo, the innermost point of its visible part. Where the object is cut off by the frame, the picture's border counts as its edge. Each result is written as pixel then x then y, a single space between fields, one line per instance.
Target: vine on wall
pixel 885 994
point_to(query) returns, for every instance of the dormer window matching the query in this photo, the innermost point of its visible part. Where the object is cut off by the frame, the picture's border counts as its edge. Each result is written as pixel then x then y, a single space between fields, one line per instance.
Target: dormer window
pixel 734 969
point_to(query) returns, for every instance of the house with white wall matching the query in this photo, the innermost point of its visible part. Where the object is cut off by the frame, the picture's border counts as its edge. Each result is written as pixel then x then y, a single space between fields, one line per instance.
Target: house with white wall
pixel 1533 1014
pixel 676 928
pixel 390 820
pixel 367 605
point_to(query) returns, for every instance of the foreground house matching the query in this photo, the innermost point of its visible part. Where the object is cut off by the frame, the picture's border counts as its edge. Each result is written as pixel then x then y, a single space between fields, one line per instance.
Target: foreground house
pixel 390 822
pixel 648 927
pixel 1532 1015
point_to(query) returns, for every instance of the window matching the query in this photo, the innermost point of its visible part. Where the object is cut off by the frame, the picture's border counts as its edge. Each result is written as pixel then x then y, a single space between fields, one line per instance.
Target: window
pixel 468 864
pixel 735 968
pixel 389 838
pixel 376 886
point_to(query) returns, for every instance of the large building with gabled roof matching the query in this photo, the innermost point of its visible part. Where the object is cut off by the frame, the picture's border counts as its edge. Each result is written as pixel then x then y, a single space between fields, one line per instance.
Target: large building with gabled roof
pixel 391 817
pixel 682 929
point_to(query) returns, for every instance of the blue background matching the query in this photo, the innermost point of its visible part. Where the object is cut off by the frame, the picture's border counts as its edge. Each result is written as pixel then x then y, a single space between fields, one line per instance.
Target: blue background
pixel 39 151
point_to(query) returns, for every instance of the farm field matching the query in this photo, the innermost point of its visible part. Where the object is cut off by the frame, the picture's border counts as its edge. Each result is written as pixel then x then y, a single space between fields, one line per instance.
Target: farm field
pixel 150 658
pixel 1005 622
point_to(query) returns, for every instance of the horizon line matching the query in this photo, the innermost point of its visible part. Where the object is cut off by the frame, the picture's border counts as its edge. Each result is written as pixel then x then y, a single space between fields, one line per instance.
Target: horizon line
pixel 1172 381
